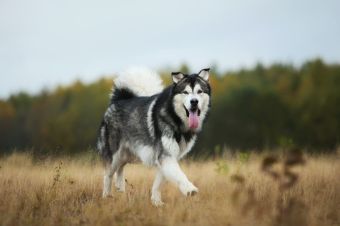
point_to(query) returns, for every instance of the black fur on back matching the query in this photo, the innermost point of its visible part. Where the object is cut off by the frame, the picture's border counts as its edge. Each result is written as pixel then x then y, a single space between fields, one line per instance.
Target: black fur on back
pixel 122 94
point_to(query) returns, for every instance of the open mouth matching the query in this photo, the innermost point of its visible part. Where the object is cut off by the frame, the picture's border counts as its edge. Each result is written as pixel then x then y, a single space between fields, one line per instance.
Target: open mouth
pixel 193 116
pixel 192 110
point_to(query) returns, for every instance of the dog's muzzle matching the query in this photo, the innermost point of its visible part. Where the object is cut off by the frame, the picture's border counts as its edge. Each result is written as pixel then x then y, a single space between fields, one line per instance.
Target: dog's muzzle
pixel 193 114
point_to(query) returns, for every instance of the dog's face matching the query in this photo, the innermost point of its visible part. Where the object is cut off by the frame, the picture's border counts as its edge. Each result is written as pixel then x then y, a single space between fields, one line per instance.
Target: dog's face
pixel 191 99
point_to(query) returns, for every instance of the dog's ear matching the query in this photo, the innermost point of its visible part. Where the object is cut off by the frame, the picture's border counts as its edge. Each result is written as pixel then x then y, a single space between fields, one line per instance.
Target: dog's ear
pixel 204 73
pixel 177 76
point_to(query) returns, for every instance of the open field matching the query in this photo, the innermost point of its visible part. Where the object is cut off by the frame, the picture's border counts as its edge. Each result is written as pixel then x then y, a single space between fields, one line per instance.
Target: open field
pixel 233 191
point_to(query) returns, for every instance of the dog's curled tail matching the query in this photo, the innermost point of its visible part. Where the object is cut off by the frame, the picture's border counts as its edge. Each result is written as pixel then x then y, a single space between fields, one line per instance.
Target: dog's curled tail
pixel 136 82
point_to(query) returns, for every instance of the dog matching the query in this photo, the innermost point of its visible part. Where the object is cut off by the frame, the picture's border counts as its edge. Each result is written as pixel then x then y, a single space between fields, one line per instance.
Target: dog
pixel 155 125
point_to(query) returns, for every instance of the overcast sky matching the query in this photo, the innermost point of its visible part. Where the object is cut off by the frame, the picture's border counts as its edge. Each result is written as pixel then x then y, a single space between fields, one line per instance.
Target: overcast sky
pixel 44 43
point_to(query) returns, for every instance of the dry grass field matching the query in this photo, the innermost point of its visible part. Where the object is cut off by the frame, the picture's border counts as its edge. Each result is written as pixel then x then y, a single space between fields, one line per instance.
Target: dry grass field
pixel 233 191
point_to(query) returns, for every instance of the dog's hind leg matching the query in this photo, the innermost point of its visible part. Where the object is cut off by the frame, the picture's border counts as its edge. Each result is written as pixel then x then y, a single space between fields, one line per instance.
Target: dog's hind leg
pixel 107 181
pixel 120 180
pixel 155 192
pixel 110 169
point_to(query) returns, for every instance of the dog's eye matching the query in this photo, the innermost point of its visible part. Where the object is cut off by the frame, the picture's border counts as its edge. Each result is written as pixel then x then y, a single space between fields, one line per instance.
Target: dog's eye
pixel 185 92
pixel 199 91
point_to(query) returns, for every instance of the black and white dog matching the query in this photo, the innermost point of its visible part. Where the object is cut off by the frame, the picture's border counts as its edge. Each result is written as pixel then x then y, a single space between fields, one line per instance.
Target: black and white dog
pixel 154 125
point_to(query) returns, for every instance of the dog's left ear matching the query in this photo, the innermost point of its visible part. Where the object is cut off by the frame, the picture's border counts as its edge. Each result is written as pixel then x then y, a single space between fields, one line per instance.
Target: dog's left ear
pixel 204 73
pixel 177 76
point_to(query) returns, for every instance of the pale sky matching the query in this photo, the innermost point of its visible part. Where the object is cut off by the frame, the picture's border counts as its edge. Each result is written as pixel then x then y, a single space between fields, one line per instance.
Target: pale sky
pixel 45 43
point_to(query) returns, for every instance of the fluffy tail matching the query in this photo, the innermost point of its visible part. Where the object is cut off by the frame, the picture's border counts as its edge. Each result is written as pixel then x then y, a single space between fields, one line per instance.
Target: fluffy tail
pixel 136 82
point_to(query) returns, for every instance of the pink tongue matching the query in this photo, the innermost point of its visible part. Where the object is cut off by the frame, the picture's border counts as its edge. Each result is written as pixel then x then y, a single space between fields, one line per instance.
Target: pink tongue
pixel 193 120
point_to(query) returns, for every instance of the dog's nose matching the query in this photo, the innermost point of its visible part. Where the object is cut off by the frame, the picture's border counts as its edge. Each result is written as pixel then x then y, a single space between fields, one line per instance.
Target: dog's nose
pixel 194 102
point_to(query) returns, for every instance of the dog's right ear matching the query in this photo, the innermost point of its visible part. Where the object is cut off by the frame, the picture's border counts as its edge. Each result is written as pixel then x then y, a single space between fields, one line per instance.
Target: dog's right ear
pixel 177 76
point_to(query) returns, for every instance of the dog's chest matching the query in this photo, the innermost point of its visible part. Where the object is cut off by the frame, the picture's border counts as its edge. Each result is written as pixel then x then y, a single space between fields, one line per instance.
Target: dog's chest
pixel 186 146
pixel 178 148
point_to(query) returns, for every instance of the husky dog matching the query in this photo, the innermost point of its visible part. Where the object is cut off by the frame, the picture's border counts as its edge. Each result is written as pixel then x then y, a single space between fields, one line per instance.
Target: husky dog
pixel 153 125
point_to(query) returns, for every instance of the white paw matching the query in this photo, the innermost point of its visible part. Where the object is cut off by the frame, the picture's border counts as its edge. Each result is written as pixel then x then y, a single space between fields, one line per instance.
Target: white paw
pixel 120 186
pixel 188 189
pixel 107 195
pixel 157 202
pixel 156 199
pixel 120 189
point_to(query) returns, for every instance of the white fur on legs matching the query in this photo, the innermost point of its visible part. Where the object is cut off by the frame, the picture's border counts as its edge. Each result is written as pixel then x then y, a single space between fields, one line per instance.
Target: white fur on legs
pixel 156 198
pixel 107 181
pixel 117 159
pixel 172 172
pixel 120 180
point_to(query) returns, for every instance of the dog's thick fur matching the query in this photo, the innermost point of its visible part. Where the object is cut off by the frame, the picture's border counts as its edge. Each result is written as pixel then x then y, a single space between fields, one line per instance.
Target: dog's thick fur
pixel 158 127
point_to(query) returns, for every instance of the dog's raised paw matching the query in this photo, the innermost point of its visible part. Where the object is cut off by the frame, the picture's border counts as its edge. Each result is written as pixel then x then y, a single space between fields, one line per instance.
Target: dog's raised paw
pixel 189 189
pixel 192 193
pixel 157 203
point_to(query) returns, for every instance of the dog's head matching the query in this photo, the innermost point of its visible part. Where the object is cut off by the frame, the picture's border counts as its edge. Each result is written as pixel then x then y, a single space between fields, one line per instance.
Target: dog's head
pixel 191 99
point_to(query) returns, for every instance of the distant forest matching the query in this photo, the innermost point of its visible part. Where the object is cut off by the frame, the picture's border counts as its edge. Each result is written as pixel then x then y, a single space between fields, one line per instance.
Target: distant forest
pixel 262 108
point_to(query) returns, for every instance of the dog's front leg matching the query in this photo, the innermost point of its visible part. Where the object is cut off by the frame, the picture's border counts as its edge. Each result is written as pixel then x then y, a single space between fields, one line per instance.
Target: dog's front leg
pixel 155 192
pixel 172 172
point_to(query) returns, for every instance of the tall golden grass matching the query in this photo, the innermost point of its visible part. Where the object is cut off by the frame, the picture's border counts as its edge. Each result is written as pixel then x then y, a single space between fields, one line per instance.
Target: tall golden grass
pixel 233 191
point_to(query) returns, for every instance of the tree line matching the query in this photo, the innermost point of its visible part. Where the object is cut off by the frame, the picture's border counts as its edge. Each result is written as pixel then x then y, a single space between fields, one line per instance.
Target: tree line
pixel 265 107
